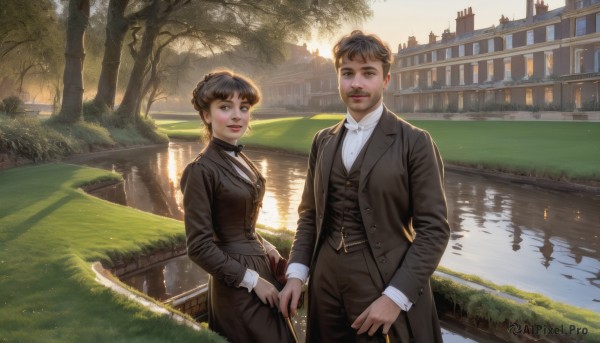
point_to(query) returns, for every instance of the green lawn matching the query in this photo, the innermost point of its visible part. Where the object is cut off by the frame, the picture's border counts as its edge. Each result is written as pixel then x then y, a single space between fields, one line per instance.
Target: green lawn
pixel 553 149
pixel 50 232
pixel 188 130
pixel 566 150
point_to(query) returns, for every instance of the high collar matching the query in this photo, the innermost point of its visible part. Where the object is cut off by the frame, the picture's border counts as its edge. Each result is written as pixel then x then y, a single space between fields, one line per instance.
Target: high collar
pixel 236 149
pixel 367 121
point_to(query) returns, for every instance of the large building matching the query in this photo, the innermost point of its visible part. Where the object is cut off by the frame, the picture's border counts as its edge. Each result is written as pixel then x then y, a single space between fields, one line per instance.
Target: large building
pixel 306 81
pixel 550 60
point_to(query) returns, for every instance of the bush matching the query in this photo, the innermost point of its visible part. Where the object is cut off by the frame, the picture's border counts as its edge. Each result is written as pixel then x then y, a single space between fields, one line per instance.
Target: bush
pixel 148 129
pixel 85 134
pixel 29 138
pixel 12 105
pixel 93 112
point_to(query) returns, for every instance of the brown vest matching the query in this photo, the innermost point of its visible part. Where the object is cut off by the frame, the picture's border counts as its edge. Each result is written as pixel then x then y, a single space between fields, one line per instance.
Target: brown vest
pixel 344 220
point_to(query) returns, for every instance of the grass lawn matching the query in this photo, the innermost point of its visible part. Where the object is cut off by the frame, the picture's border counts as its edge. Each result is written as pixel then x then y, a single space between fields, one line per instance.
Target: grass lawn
pixel 50 232
pixel 566 150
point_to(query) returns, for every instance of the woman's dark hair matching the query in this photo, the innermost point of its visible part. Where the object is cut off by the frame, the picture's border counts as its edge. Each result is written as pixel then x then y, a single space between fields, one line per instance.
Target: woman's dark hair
pixel 366 47
pixel 221 85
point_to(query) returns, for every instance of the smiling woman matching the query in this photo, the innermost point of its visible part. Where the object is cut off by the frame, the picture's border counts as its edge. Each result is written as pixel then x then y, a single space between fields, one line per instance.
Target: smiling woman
pixel 222 195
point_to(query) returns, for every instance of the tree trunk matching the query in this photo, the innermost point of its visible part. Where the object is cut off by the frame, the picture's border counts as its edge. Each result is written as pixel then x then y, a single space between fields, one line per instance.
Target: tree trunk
pixel 116 28
pixel 79 15
pixel 129 109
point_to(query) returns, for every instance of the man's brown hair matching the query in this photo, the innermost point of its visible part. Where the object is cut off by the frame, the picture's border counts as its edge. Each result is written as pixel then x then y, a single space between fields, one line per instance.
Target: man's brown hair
pixel 366 47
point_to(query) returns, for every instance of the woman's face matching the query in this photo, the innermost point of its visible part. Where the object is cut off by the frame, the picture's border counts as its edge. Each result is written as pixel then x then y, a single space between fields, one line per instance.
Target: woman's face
pixel 229 118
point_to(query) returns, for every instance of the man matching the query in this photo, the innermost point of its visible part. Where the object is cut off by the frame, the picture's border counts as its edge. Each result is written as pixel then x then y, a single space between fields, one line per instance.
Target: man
pixel 373 219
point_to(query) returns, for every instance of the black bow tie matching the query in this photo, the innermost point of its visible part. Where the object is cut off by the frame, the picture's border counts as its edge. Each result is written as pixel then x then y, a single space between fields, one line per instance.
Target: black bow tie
pixel 228 147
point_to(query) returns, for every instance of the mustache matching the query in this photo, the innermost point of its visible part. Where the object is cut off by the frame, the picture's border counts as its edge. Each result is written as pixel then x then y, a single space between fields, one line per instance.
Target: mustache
pixel 357 92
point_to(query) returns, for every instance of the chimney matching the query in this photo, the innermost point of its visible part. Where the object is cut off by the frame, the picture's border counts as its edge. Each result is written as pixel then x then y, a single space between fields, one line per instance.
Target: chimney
pixel 569 4
pixel 465 21
pixel 529 11
pixel 503 20
pixel 540 7
pixel 412 41
pixel 432 37
pixel 447 35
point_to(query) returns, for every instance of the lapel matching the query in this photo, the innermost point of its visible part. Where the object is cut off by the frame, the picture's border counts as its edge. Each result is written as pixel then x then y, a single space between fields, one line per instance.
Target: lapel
pixel 330 143
pixel 383 137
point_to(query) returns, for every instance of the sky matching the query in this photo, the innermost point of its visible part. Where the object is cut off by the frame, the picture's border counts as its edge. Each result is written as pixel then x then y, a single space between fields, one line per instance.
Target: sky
pixel 395 20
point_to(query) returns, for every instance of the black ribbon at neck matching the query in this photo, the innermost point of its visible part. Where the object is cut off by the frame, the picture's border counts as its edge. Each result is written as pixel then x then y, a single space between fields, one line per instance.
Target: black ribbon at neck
pixel 227 147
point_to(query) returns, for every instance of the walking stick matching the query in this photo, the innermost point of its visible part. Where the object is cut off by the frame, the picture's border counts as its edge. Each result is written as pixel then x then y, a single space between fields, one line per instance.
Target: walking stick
pixel 292 329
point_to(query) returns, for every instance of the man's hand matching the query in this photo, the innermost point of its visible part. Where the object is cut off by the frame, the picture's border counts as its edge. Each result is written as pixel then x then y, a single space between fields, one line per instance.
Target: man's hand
pixel 289 296
pixel 267 292
pixel 382 311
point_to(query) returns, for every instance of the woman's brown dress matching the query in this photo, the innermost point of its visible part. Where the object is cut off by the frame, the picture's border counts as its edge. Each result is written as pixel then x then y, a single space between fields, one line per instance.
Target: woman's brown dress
pixel 221 208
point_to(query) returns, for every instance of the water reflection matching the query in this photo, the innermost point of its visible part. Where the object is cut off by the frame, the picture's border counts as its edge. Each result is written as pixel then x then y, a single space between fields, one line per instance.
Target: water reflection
pixel 169 279
pixel 535 239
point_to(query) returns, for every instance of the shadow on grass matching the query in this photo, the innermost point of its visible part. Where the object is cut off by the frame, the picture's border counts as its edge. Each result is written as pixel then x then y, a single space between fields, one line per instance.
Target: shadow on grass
pixel 15 231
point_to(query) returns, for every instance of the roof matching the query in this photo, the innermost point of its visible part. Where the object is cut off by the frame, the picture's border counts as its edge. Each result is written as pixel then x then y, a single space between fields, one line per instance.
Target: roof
pixel 511 25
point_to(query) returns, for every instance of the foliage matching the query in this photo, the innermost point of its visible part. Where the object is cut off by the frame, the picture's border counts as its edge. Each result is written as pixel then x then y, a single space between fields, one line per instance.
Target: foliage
pixel 592 105
pixel 93 112
pixel 30 45
pixel 497 311
pixel 509 106
pixel 586 316
pixel 259 28
pixel 88 135
pixel 11 105
pixel 148 129
pixel 29 138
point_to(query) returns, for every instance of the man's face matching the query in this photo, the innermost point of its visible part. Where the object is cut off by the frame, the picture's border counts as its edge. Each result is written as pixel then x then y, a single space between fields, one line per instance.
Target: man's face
pixel 361 84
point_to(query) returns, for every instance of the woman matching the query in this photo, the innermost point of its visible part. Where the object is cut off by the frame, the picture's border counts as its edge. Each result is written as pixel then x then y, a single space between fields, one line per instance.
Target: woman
pixel 222 195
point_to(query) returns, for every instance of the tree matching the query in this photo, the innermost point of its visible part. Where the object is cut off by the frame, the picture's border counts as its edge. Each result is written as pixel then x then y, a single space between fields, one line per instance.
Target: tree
pixel 219 25
pixel 117 26
pixel 160 12
pixel 29 42
pixel 72 105
pixel 23 22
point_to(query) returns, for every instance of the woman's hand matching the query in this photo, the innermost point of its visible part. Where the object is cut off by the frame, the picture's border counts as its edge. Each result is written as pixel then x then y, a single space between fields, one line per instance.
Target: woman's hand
pixel 274 254
pixel 267 293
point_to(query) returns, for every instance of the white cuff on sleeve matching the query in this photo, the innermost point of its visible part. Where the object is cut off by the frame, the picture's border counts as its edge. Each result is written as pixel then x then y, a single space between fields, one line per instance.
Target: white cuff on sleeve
pixel 250 280
pixel 298 271
pixel 398 297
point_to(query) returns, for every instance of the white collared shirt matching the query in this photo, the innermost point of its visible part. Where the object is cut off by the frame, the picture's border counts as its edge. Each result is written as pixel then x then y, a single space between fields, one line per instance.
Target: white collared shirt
pixel 358 134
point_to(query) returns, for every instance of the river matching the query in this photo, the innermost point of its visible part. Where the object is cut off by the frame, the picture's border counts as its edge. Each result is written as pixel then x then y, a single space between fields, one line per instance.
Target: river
pixel 510 233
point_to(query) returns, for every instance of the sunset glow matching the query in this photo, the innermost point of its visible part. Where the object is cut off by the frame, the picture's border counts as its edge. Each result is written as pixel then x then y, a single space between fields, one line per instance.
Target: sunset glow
pixel 324 47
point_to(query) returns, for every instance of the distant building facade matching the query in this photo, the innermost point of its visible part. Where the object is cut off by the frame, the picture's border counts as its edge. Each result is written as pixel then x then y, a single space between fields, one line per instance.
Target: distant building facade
pixel 307 82
pixel 548 60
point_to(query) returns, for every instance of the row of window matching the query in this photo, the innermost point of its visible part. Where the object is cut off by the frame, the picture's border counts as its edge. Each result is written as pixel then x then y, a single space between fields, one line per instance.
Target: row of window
pixel 472 98
pixel 528 69
pixel 432 73
pixel 489 45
